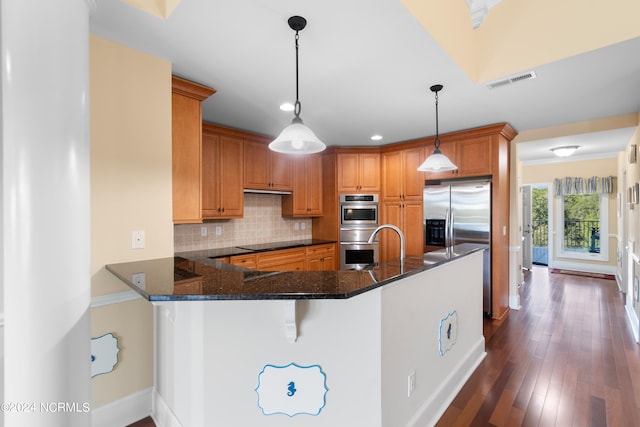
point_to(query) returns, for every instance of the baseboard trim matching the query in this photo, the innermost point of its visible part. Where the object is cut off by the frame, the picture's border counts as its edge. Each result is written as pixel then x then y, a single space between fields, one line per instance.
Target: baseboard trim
pixel 514 302
pixel 162 415
pixel 633 322
pixel 431 411
pixel 124 411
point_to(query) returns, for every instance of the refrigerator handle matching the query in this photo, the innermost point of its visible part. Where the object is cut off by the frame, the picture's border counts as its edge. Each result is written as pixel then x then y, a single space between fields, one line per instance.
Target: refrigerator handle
pixel 451 228
pixel 447 229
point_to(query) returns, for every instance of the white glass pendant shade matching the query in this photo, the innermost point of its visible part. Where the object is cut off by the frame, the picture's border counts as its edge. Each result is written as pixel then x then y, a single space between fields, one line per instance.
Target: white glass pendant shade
pixel 437 162
pixel 297 139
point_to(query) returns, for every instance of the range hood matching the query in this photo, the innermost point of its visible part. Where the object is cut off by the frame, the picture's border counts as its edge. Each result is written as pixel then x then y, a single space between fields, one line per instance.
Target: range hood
pixel 249 190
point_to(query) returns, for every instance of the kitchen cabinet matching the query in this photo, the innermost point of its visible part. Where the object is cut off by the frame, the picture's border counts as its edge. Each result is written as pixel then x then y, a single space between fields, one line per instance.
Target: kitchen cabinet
pixel 282 260
pixel 321 257
pixel 359 172
pixel 401 181
pixel 306 198
pixel 265 169
pixel 472 156
pixel 222 173
pixel 247 261
pixel 407 216
pixel 186 153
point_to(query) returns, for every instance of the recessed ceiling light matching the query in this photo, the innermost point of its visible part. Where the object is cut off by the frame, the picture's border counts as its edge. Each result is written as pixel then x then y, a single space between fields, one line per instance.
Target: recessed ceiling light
pixel 287 106
pixel 376 137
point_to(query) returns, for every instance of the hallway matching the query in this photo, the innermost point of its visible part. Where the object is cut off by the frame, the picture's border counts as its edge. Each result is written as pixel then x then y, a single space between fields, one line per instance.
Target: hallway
pixel 567 358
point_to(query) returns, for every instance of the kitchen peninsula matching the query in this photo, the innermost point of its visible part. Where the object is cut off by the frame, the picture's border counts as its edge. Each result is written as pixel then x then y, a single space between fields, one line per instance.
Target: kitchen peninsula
pixel 387 346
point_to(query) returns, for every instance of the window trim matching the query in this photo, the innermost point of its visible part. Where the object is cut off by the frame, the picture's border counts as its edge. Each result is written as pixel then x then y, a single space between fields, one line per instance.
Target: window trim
pixel 604 233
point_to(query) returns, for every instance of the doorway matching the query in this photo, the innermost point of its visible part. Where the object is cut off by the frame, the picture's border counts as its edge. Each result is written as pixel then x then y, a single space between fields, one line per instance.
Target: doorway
pixel 536 225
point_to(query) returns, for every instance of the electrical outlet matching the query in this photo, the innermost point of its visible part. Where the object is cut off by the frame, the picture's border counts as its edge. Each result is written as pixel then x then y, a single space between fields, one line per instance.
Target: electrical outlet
pixel 296 226
pixel 411 383
pixel 138 279
pixel 218 230
pixel 137 239
pixel 303 225
pixel 203 231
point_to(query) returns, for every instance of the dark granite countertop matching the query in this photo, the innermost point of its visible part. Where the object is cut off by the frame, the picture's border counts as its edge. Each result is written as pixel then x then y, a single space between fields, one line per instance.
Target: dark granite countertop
pixel 194 277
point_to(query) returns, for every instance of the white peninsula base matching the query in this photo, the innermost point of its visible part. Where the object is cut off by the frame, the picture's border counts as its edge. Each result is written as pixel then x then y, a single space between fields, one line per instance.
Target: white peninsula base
pixel 393 356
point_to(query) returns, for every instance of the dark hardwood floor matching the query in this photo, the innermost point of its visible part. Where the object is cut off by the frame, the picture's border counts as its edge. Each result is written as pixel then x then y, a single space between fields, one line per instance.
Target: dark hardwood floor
pixel 567 358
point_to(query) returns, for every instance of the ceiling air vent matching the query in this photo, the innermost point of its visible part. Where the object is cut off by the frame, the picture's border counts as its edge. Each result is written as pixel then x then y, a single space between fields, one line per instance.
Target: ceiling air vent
pixel 512 79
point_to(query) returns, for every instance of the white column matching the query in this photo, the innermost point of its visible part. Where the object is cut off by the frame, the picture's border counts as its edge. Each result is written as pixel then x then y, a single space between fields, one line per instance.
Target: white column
pixel 45 212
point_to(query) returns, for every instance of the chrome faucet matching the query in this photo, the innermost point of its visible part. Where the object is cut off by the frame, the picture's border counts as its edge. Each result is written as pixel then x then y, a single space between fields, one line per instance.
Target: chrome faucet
pixel 391 227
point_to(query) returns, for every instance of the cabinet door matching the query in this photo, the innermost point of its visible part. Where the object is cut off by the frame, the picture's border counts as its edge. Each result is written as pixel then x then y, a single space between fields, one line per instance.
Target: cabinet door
pixel 313 176
pixel 412 179
pixel 210 180
pixel 412 228
pixel 284 260
pixel 256 165
pixel 281 171
pixel 392 176
pixel 348 170
pixel 369 172
pixel 389 240
pixel 186 154
pixel 473 156
pixel 296 204
pixel 231 167
pixel 321 257
pixel 247 261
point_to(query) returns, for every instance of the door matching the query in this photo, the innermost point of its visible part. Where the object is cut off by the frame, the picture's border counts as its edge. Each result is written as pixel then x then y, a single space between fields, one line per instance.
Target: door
pixel 527 241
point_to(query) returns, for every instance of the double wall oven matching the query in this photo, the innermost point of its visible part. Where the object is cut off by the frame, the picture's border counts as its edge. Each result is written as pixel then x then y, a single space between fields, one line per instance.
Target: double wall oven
pixel 358 220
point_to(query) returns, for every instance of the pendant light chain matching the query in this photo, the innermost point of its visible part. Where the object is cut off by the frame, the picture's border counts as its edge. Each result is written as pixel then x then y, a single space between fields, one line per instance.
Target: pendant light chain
pixel 437 143
pixel 298 106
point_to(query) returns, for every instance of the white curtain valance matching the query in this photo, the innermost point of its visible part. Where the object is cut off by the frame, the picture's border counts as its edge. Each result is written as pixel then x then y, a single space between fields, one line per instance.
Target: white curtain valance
pixel 577 185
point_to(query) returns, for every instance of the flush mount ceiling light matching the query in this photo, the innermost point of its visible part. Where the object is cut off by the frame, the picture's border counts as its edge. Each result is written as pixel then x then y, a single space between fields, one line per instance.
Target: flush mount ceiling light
pixel 297 138
pixel 437 162
pixel 565 151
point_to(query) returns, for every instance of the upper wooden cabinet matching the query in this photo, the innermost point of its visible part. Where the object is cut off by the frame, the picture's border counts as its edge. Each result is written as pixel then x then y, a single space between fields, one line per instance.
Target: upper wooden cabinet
pixel 472 156
pixel 401 180
pixel 265 169
pixel 186 122
pixel 306 199
pixel 222 173
pixel 359 172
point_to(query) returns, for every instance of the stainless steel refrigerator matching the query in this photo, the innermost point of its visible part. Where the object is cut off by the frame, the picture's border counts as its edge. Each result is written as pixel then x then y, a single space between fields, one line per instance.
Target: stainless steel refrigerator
pixel 458 212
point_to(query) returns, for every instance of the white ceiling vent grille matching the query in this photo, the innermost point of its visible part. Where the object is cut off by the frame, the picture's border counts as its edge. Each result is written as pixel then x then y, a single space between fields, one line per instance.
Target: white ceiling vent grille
pixel 512 79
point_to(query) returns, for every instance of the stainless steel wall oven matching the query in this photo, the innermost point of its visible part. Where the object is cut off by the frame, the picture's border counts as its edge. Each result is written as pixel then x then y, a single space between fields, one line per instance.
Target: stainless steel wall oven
pixel 358 220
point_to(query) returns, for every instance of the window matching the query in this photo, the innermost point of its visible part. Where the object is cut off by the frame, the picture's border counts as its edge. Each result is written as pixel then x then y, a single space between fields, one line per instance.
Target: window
pixel 582 221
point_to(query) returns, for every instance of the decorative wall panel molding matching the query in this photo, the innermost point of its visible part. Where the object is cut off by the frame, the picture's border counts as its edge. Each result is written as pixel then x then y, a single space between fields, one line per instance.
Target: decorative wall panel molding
pixel 291 390
pixel 104 354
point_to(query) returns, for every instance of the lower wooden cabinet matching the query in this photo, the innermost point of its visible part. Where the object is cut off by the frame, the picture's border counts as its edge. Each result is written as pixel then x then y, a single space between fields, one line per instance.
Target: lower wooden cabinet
pixel 316 257
pixel 247 261
pixel 321 257
pixel 283 260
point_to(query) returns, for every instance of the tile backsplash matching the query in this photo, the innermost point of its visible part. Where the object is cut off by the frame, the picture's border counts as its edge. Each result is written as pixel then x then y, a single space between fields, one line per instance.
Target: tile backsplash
pixel 262 223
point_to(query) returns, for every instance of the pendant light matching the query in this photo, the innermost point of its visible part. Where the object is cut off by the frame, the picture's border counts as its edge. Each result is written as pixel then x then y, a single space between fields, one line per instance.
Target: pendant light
pixel 297 138
pixel 437 162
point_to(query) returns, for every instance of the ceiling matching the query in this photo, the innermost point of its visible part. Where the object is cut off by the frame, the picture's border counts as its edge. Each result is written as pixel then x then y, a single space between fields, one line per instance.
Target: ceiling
pixel 366 68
